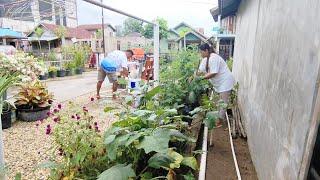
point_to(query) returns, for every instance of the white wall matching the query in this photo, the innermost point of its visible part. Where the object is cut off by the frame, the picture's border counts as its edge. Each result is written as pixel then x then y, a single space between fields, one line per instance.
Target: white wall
pixel 276 61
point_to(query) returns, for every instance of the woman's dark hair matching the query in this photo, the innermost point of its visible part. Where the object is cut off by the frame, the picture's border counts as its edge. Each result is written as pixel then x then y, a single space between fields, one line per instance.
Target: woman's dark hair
pixel 130 51
pixel 206 46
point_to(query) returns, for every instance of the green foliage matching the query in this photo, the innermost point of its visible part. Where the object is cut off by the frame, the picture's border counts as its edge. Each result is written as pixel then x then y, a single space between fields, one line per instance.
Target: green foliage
pixel 78 144
pixel 163 29
pixel 60 32
pixel 177 87
pixel 99 34
pixel 132 25
pixel 118 172
pixel 230 63
pixel 182 32
pixel 38 32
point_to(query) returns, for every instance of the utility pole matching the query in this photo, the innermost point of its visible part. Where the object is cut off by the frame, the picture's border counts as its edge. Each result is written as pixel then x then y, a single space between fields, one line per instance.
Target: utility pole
pixel 102 28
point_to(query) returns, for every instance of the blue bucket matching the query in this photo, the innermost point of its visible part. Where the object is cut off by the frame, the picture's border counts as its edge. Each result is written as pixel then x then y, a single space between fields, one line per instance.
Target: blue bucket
pixel 132 84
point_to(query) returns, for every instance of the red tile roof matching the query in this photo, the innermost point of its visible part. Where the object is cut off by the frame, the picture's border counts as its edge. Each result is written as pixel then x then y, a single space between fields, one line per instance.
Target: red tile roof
pixel 78 33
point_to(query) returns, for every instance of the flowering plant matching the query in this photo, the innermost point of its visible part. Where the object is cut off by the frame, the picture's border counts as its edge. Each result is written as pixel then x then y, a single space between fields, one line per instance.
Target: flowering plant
pixel 78 146
pixel 25 66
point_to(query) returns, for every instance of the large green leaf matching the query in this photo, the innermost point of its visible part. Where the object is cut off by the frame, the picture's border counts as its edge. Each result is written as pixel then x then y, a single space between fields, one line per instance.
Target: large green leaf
pixel 160 160
pixel 118 172
pixel 132 138
pixel 109 139
pixel 149 95
pixel 158 141
pixel 190 162
pixel 210 120
pixel 189 176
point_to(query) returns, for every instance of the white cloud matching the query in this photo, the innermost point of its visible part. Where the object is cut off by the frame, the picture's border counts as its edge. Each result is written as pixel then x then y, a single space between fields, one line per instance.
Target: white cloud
pixel 194 12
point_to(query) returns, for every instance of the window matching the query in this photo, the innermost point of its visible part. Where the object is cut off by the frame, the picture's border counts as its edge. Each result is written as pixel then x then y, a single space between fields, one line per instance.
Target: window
pixel 110 34
pixel 169 46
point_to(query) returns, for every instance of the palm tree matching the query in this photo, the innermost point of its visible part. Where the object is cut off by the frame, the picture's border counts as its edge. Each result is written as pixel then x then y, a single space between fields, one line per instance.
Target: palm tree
pixel 39 31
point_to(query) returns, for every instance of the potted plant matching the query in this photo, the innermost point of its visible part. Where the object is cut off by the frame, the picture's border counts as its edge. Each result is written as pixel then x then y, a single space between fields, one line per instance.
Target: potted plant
pixel 61 72
pixel 69 68
pixel 45 76
pixel 6 119
pixel 52 72
pixel 33 101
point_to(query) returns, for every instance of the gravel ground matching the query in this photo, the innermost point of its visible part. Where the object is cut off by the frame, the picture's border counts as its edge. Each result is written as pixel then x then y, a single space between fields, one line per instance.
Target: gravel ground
pixel 26 145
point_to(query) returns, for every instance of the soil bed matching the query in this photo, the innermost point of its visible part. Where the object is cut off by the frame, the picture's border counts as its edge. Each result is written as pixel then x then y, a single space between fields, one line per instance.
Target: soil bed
pixel 220 163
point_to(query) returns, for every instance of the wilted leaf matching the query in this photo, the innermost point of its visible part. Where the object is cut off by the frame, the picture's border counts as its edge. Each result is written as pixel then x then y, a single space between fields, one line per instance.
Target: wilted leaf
pixel 190 162
pixel 118 172
pixel 177 159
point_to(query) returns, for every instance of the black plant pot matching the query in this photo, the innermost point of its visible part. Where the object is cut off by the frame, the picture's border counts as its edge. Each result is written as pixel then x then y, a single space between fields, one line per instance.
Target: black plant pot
pixel 79 70
pixel 30 115
pixel 43 77
pixel 61 73
pixel 6 119
pixel 69 72
pixel 52 74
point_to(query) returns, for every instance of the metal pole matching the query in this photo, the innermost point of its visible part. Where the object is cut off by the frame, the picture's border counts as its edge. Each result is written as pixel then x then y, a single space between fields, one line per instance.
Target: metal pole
pixel 102 27
pixel 116 10
pixel 2 164
pixel 156 44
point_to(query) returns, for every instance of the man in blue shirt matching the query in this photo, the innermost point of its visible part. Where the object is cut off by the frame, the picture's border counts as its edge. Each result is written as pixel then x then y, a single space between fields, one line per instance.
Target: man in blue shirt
pixel 116 61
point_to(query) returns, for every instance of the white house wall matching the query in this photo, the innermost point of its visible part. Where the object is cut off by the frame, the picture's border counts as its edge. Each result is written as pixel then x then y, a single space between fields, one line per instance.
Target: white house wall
pixel 276 61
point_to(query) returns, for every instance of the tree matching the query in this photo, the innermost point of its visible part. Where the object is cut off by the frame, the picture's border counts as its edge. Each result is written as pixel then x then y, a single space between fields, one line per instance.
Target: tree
pixel 132 25
pixel 163 29
pixel 99 34
pixel 39 31
pixel 184 31
pixel 61 32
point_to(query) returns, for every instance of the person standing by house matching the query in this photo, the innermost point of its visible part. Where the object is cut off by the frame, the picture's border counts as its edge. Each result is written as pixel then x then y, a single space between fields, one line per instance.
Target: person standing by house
pixel 114 62
pixel 92 60
pixel 214 68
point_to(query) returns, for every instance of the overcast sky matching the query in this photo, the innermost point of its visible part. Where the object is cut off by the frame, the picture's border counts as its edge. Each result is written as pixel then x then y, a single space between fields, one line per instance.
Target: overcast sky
pixel 193 12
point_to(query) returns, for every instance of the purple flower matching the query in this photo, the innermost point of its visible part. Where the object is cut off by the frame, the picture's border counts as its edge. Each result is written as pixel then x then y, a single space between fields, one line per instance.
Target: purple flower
pixel 78 117
pixel 56 119
pixel 48 130
pixel 48 113
pixel 90 127
pixel 73 117
pixel 92 99
pixel 55 110
pixel 95 123
pixel 37 124
pixel 59 106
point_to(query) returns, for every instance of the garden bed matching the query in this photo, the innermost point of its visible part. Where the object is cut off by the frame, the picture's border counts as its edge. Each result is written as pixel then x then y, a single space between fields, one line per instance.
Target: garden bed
pixel 220 164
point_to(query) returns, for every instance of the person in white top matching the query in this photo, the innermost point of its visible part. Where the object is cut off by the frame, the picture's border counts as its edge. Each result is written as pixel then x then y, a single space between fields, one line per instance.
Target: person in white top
pixel 215 69
pixel 116 61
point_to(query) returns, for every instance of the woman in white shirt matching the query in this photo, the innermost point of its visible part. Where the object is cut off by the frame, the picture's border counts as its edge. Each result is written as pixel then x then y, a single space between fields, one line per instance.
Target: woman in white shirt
pixel 217 72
